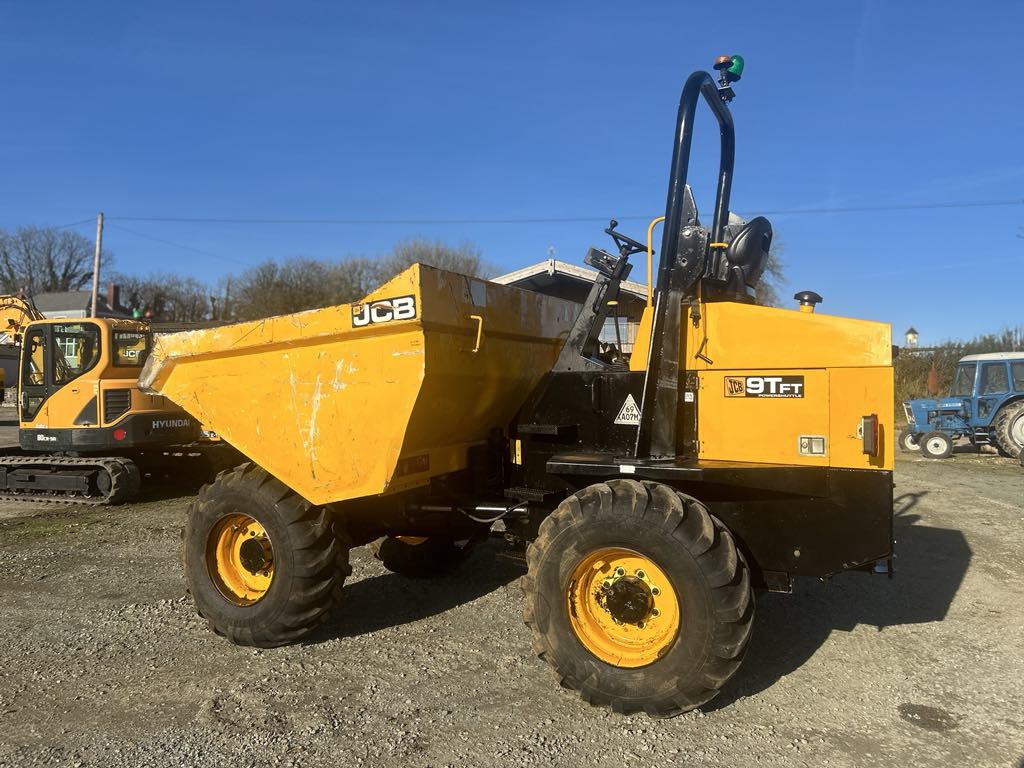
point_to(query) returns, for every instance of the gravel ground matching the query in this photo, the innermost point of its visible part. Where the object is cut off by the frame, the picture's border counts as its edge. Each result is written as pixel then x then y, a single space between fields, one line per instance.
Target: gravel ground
pixel 103 662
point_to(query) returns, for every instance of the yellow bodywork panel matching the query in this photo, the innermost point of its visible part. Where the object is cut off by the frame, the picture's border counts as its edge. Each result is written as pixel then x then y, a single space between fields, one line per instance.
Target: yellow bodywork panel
pixel 372 397
pixel 790 387
pixel 642 345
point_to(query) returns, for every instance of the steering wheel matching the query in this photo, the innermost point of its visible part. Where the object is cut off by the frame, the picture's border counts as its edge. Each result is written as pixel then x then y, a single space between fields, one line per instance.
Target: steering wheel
pixel 627 245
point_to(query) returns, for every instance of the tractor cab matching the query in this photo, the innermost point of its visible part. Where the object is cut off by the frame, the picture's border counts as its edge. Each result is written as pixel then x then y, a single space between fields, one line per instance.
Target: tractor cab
pixel 985 405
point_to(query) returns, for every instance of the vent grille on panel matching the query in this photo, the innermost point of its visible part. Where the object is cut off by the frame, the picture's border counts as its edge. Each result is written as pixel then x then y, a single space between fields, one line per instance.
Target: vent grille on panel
pixel 116 403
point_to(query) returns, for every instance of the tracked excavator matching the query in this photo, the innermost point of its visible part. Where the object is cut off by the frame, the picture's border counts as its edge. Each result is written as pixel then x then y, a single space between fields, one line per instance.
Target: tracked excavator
pixel 86 433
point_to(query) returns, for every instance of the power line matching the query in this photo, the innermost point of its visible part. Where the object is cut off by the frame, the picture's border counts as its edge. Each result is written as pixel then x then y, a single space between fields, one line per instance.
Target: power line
pixel 231 220
pixel 91 220
pixel 549 219
pixel 173 244
pixel 899 207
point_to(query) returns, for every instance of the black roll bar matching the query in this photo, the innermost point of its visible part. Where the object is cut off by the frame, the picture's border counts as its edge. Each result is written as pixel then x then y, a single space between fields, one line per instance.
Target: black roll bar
pixel 698 84
pixel 679 272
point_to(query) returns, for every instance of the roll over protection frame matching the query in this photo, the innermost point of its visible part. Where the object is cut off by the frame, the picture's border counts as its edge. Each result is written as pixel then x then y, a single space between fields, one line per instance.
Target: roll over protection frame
pixel 679 272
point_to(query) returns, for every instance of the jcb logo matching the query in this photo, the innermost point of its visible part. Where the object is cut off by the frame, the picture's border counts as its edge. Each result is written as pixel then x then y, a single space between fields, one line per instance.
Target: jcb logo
pixel 735 386
pixel 764 386
pixel 384 311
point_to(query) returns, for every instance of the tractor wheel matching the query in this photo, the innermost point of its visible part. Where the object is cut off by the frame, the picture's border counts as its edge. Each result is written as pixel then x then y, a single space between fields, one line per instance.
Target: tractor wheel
pixel 936 445
pixel 1008 429
pixel 419 558
pixel 908 441
pixel 638 598
pixel 263 565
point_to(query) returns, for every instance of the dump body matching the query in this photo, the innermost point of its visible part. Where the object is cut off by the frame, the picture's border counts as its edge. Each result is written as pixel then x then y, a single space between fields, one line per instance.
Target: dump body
pixel 372 397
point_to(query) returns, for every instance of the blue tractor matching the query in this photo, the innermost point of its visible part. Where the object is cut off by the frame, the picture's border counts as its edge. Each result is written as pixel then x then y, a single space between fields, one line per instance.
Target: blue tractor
pixel 985 405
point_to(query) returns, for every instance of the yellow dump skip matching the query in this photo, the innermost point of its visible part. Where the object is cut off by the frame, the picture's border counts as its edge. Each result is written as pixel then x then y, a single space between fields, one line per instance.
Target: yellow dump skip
pixel 373 397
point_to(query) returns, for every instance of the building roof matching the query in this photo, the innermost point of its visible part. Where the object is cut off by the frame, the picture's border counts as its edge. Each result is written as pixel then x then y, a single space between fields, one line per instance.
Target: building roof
pixel 62 300
pixel 58 303
pixel 550 272
pixel 911 330
pixel 994 356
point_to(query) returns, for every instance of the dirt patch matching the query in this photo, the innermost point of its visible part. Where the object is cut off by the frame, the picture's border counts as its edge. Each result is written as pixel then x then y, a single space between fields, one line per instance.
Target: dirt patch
pixel 105 663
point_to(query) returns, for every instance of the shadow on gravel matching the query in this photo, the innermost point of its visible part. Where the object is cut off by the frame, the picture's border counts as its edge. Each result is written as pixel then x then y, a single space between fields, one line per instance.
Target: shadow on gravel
pixel 788 629
pixel 390 600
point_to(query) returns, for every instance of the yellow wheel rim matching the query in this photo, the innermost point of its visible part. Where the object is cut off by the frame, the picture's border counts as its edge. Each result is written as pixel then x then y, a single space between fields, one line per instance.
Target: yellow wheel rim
pixel 240 559
pixel 622 607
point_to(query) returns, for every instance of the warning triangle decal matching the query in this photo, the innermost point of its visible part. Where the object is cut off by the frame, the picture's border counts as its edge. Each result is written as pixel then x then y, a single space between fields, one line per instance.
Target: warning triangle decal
pixel 629 413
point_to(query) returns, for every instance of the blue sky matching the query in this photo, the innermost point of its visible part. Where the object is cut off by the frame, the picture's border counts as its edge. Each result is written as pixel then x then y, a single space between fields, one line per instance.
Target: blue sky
pixel 479 110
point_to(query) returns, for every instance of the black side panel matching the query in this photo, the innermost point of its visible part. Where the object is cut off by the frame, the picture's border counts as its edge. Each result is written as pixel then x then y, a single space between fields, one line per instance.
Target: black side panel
pixel 136 431
pixel 803 521
pixel 569 410
pixel 89 415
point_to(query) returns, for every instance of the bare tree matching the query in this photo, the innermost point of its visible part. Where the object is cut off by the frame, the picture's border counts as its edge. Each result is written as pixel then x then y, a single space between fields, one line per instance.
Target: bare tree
pixel 165 297
pixel 298 284
pixel 773 279
pixel 42 259
pixel 464 258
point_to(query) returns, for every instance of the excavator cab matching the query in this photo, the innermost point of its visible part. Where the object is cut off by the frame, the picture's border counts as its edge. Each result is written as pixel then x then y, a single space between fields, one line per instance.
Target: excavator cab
pixel 79 389
pixel 85 428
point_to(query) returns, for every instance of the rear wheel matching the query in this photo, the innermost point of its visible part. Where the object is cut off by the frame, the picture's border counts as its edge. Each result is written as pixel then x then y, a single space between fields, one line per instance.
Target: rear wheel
pixel 420 557
pixel 638 598
pixel 936 445
pixel 263 565
pixel 1008 429
pixel 908 441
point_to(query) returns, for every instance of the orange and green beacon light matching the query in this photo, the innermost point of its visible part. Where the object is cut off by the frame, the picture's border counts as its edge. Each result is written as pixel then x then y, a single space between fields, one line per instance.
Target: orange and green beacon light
pixel 730 69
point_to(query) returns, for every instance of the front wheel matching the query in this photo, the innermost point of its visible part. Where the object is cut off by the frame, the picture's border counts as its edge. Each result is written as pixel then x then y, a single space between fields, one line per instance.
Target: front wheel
pixel 936 445
pixel 638 598
pixel 908 441
pixel 263 565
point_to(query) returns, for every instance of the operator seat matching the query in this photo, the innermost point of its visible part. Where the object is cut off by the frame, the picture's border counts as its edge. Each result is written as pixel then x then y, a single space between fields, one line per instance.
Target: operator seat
pixel 747 254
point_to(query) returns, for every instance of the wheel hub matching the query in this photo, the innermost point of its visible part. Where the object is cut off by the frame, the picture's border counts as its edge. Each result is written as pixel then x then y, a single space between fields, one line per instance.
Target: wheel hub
pixel 240 559
pixel 622 607
pixel 255 554
pixel 628 600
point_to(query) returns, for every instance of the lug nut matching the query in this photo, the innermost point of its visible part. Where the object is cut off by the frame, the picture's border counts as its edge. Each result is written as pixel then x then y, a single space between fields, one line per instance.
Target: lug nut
pixel 620 571
pixel 640 625
pixel 655 612
pixel 655 591
pixel 641 575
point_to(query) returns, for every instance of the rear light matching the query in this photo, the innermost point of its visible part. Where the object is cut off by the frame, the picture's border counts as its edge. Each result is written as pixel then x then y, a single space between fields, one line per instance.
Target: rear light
pixel 869 434
pixel 120 434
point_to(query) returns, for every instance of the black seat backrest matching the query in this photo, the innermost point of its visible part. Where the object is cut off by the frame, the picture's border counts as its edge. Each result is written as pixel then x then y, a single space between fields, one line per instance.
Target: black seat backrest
pixel 747 254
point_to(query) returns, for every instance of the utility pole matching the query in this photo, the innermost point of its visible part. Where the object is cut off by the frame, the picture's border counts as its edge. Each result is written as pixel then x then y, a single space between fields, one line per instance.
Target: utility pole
pixel 96 261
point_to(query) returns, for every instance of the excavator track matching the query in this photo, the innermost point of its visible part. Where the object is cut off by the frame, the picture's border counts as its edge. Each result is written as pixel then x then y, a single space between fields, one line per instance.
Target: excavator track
pixel 69 479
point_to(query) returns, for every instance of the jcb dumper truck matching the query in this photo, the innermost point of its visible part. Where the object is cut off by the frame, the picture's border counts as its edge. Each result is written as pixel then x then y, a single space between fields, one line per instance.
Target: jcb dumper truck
pixel 741 446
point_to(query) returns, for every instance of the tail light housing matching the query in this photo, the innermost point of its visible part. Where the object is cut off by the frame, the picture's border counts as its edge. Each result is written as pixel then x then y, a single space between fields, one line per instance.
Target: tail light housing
pixel 869 434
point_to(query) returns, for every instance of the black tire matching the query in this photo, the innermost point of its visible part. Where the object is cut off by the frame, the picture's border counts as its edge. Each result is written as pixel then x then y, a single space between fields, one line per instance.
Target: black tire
pixel 908 441
pixel 697 554
pixel 936 445
pixel 310 559
pixel 1008 429
pixel 436 556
